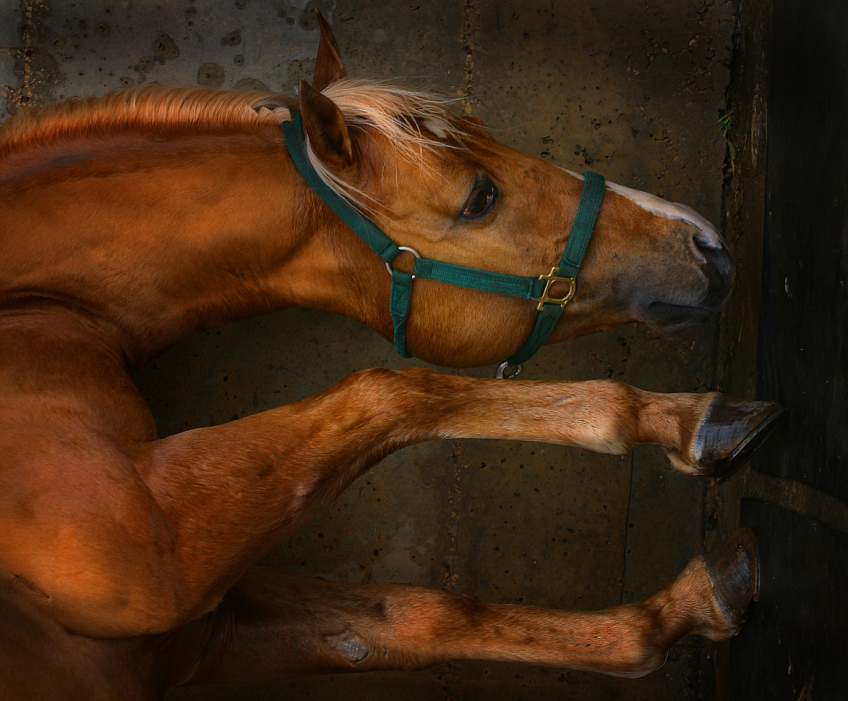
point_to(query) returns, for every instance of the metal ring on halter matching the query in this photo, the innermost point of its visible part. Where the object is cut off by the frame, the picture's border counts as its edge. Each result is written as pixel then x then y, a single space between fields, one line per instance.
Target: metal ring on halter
pixel 408 250
pixel 502 374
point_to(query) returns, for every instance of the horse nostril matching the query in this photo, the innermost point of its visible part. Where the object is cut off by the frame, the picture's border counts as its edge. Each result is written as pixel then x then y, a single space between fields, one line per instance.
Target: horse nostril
pixel 711 247
pixel 708 240
pixel 718 258
pixel 703 240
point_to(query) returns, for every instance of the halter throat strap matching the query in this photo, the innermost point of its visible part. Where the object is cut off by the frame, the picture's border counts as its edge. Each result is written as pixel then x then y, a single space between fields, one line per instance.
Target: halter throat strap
pixel 539 289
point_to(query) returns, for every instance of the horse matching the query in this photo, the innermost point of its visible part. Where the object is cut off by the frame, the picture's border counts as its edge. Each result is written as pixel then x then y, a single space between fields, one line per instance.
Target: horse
pixel 127 561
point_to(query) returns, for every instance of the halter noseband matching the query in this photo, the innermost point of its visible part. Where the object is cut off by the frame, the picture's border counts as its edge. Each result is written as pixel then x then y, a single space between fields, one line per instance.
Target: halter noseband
pixel 536 288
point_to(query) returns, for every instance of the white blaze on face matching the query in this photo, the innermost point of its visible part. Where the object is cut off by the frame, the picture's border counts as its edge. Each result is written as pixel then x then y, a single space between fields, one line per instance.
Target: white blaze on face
pixel 707 237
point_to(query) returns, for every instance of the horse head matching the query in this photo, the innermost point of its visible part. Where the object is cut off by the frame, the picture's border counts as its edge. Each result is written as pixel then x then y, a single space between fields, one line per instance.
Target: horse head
pixel 440 184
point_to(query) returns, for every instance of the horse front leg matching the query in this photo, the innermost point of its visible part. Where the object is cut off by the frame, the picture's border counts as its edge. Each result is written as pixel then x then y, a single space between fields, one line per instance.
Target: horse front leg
pixel 231 492
pixel 274 625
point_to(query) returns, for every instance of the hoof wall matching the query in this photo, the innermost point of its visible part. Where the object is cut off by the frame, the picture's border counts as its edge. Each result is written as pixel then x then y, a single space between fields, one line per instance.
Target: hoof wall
pixel 733 569
pixel 731 432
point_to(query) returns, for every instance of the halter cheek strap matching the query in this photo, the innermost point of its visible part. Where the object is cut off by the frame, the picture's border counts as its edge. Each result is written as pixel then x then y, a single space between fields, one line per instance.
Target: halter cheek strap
pixel 536 288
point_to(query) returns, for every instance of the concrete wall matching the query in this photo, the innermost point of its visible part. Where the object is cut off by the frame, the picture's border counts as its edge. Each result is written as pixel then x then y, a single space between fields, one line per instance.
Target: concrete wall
pixel 630 88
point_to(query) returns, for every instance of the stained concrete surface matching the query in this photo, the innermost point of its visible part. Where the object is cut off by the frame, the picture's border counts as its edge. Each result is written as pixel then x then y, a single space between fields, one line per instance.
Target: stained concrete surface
pixel 631 89
pixel 8 39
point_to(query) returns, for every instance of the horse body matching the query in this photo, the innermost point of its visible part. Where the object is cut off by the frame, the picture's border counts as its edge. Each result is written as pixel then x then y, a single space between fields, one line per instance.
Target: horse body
pixel 129 222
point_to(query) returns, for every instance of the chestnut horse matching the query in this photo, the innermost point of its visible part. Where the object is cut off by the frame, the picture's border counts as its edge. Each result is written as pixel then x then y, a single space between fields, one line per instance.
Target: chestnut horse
pixel 129 221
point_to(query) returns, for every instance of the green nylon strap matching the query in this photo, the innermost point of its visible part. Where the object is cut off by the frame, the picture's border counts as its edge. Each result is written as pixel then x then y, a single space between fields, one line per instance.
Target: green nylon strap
pixel 450 273
pixel 399 308
pixel 545 322
pixel 381 244
pixel 483 280
pixel 594 186
pixel 584 223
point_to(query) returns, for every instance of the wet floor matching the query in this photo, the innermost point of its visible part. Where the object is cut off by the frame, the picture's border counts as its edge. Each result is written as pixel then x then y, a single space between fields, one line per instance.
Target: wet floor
pixel 627 88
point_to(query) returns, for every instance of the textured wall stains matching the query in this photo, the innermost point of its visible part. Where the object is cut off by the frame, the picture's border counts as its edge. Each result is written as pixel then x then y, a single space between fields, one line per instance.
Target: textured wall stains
pixel 35 68
pixel 9 20
pixel 210 75
pixel 70 49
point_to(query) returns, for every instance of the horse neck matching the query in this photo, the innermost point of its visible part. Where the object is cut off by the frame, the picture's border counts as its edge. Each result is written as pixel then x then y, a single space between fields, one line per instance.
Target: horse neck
pixel 161 238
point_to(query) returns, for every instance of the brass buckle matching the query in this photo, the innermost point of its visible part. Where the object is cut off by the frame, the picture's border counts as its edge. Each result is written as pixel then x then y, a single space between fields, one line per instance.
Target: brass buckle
pixel 550 279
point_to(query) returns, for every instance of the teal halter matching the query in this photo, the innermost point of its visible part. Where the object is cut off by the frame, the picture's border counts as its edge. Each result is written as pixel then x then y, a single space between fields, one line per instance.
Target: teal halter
pixel 536 288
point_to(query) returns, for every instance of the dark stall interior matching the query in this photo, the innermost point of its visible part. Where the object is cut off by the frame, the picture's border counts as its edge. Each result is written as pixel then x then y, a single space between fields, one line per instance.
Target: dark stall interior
pixel 796 640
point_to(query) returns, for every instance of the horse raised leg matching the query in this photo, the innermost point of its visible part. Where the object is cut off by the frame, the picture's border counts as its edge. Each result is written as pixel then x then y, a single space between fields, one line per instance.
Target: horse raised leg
pixel 139 536
pixel 118 534
pixel 232 491
pixel 274 625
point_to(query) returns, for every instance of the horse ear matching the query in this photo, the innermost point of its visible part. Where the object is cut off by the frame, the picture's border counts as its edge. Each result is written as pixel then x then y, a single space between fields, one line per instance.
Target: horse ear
pixel 325 126
pixel 328 66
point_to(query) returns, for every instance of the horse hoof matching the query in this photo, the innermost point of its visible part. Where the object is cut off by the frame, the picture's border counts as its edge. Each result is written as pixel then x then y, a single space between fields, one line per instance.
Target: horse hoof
pixel 731 432
pixel 733 569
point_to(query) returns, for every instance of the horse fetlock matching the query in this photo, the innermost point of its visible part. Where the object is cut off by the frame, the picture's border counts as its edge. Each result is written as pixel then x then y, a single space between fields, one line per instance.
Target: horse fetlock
pixel 648 659
pixel 644 653
pixel 714 591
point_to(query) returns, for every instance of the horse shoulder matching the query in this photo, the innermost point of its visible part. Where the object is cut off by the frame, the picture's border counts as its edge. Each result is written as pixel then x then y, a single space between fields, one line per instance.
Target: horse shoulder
pixel 79 528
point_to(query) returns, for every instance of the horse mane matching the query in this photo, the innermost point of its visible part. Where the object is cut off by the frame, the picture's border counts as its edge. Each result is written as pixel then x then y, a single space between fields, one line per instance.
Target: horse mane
pixel 154 107
pixel 415 122
pixel 395 112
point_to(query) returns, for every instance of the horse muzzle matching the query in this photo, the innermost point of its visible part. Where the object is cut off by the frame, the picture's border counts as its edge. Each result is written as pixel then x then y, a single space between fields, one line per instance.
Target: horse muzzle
pixel 693 290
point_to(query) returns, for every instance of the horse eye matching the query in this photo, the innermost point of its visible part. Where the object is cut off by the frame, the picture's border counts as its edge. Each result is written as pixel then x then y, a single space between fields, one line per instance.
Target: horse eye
pixel 481 199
